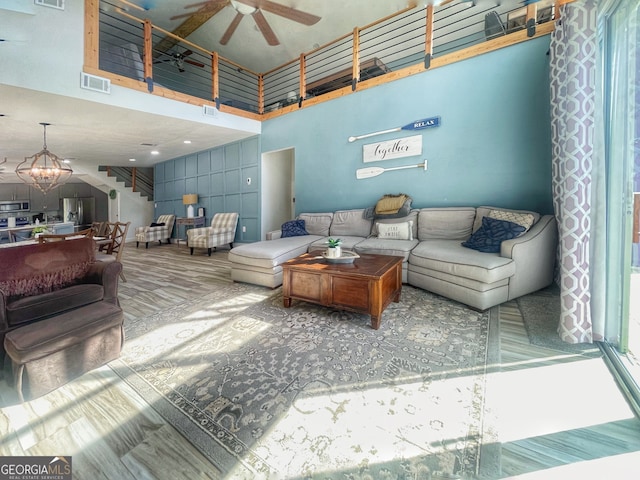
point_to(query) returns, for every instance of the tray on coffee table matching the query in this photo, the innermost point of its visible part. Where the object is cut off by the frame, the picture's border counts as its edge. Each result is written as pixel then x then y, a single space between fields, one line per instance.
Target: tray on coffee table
pixel 347 257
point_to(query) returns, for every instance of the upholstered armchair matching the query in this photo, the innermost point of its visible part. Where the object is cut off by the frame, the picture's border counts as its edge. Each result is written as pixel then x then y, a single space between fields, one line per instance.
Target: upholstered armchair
pixel 156 231
pixel 221 232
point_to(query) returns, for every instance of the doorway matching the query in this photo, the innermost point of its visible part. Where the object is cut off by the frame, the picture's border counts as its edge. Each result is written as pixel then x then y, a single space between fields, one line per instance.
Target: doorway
pixel 278 189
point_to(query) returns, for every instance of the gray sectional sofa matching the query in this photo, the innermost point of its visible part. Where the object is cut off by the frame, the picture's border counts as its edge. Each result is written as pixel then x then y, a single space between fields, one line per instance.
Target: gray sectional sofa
pixel 430 244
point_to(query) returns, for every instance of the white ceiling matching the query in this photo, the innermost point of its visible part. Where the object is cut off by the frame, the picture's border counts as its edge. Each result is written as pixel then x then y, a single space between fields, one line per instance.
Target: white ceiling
pixel 91 134
pixel 247 45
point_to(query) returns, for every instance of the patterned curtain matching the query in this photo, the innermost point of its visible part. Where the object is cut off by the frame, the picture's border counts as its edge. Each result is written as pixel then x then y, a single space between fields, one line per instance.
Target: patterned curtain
pixel 575 176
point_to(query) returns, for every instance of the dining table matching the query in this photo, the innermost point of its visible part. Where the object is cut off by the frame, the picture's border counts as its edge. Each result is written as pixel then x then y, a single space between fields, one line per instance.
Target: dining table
pixel 102 243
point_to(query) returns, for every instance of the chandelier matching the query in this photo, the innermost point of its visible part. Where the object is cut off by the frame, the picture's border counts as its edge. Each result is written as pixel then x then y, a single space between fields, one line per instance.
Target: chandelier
pixel 44 170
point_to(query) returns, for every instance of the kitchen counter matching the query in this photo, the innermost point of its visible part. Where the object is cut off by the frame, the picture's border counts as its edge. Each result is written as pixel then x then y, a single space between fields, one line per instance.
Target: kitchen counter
pixel 67 227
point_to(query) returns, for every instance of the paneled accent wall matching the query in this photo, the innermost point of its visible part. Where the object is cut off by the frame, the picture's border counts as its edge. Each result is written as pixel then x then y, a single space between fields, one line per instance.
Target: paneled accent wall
pixel 226 179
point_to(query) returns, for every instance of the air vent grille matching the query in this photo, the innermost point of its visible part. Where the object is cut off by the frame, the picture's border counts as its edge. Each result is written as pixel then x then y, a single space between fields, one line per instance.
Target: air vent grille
pixel 95 83
pixel 209 111
pixel 59 4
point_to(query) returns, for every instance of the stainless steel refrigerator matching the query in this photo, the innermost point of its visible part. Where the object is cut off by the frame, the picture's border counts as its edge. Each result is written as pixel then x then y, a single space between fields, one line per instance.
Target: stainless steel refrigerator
pixel 80 211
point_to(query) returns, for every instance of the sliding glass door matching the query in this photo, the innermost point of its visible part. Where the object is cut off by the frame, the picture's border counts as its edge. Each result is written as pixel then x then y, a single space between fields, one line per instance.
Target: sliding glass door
pixel 619 41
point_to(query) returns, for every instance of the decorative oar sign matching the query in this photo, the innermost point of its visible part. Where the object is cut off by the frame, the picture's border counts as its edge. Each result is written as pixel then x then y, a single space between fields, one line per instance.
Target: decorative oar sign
pixel 369 172
pixel 398 148
pixel 417 125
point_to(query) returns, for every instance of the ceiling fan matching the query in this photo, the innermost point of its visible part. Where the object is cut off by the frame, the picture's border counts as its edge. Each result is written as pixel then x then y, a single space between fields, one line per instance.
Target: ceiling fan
pixel 253 8
pixel 178 59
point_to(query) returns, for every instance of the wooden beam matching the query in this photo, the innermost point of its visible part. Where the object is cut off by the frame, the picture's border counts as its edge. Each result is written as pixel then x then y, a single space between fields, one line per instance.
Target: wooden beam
pixel 355 78
pixel 260 94
pixel 148 47
pixel 303 76
pixel 215 80
pixel 190 25
pixel 91 33
pixel 428 40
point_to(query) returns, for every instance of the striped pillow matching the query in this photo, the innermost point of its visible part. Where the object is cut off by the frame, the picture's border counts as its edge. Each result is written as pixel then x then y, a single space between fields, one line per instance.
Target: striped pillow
pixel 523 219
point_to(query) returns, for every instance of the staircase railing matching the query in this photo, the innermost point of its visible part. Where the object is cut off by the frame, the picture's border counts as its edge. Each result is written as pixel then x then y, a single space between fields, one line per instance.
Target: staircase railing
pixel 140 180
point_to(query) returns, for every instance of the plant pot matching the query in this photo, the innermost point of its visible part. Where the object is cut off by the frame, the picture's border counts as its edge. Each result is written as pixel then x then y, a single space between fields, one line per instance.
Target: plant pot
pixel 334 252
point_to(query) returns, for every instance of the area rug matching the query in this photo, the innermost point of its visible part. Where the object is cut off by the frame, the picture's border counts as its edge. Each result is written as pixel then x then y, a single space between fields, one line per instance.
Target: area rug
pixel 311 392
pixel 541 314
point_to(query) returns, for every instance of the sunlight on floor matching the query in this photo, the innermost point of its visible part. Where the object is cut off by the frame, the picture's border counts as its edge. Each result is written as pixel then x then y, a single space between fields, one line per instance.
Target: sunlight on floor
pixel 55 407
pixel 584 394
pixel 615 467
pixel 371 426
pixel 169 339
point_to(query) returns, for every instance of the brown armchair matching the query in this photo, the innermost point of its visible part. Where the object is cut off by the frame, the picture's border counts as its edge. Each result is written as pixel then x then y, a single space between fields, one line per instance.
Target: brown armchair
pixel 59 314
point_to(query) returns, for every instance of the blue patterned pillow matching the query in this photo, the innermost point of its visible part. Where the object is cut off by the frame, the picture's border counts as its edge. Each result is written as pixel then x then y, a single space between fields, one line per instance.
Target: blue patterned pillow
pixel 293 228
pixel 491 234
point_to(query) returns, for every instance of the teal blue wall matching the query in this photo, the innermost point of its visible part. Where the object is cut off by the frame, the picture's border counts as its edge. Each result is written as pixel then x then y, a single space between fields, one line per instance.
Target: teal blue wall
pixel 218 176
pixel 493 147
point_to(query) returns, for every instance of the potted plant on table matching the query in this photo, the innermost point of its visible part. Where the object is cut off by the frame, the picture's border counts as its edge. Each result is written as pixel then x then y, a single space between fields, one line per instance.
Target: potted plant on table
pixel 334 250
pixel 37 231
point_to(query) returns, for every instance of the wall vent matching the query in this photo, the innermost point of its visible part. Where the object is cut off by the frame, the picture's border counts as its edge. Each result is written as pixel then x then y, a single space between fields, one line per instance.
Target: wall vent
pixel 209 111
pixel 95 83
pixel 59 4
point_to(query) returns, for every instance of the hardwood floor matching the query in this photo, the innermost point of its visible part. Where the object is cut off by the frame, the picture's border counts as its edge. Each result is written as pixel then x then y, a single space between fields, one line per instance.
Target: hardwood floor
pixel 549 413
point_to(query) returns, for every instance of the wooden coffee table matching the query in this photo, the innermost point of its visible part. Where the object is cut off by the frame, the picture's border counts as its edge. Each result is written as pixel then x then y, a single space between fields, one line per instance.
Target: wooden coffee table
pixel 367 285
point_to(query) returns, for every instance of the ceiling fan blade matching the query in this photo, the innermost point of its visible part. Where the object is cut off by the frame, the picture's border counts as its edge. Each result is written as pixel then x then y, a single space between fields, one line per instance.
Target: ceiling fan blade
pixel 193 62
pixel 162 57
pixel 288 12
pixel 232 28
pixel 263 25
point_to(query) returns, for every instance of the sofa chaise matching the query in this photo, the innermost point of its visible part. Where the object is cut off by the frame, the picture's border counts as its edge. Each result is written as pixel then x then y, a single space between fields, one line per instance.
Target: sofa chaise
pixel 430 242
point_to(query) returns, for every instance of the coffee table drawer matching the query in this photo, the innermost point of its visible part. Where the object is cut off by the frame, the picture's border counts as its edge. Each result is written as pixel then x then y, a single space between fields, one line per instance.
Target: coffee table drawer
pixel 349 292
pixel 304 285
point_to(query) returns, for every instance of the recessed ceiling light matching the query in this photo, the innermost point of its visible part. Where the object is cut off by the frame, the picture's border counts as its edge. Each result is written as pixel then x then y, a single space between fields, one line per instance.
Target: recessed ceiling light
pixel 66 160
pixel 155 152
pixel 187 141
pixel 132 159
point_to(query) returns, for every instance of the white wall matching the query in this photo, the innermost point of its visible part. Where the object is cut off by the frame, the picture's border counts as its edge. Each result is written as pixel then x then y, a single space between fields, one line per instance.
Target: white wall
pixel 44 51
pixel 127 207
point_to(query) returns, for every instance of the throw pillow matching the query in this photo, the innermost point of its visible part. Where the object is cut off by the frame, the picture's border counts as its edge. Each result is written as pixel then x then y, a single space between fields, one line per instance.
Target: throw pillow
pixel 524 219
pixel 396 231
pixel 293 228
pixel 491 234
pixel 153 224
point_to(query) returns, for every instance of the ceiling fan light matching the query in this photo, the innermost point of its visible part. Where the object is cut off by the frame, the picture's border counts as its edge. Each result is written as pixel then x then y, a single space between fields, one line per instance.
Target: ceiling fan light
pixel 243 9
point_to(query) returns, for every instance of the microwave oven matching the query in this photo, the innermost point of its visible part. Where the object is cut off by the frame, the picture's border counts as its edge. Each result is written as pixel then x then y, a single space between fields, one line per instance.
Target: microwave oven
pixel 14 206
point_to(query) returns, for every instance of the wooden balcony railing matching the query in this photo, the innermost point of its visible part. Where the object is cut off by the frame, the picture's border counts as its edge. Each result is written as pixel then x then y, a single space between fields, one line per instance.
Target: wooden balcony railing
pixel 134 53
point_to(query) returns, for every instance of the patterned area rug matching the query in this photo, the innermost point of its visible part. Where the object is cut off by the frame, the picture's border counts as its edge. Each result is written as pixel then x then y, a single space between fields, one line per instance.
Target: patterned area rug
pixel 311 392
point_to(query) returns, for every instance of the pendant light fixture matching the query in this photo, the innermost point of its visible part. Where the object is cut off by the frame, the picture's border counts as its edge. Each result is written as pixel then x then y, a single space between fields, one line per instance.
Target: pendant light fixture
pixel 44 170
